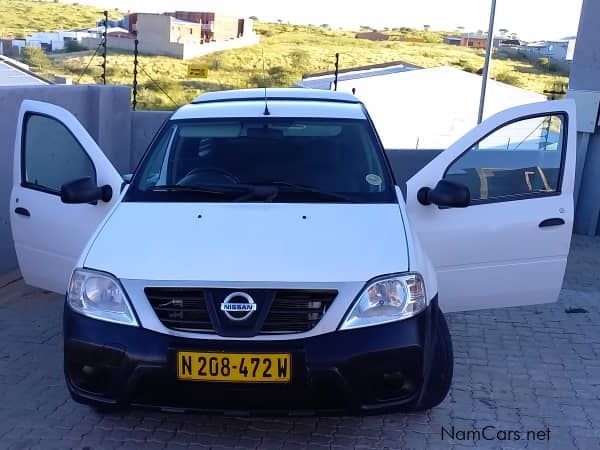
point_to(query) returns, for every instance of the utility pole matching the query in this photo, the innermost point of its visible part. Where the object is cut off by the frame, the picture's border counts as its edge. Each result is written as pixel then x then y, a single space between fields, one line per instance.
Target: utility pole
pixel 486 65
pixel 135 72
pixel 104 34
pixel 337 68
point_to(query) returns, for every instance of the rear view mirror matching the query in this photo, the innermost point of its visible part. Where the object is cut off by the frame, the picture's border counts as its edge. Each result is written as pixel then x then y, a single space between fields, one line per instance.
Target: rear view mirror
pixel 445 194
pixel 84 190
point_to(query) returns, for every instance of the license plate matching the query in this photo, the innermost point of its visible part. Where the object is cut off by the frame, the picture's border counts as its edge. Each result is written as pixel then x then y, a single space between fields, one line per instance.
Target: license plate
pixel 234 367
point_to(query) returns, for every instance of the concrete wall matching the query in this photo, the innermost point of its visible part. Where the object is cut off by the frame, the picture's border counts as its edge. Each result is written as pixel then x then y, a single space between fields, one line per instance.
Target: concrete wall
pixel 195 50
pixel 585 83
pixel 144 125
pixel 120 43
pixel 226 27
pixel 186 32
pixel 154 29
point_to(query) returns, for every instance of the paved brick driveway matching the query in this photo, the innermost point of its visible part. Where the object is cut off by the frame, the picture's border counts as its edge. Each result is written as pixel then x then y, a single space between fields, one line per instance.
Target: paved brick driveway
pixel 521 369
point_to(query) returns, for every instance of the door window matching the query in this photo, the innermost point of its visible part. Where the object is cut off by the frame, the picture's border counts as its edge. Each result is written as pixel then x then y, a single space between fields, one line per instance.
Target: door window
pixel 521 159
pixel 52 156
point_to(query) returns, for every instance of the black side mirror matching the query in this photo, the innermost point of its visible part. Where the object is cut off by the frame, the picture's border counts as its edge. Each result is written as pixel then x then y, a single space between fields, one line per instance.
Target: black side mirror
pixel 84 190
pixel 445 194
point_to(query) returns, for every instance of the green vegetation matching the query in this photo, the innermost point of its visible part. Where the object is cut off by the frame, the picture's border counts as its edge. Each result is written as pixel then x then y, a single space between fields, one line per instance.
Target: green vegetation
pixel 290 51
pixel 19 18
pixel 36 59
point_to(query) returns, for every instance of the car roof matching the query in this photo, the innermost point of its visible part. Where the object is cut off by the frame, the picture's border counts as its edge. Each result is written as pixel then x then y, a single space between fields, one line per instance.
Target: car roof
pixel 281 102
pixel 276 94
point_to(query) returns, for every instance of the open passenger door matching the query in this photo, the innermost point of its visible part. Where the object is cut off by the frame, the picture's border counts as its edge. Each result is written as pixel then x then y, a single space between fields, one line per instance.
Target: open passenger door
pixel 509 246
pixel 52 149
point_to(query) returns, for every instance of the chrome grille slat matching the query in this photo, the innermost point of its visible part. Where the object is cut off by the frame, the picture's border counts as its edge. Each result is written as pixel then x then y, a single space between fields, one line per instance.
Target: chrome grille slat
pixel 292 310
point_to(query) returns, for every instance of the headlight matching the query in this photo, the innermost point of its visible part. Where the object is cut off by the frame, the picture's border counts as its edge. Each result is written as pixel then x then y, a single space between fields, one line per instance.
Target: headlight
pixel 100 296
pixel 387 300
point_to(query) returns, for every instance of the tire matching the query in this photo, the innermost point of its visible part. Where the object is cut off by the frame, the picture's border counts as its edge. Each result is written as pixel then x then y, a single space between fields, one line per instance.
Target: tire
pixel 439 379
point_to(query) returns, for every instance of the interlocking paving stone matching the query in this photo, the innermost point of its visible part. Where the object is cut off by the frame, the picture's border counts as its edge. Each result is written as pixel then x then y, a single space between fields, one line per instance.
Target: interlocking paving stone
pixel 521 369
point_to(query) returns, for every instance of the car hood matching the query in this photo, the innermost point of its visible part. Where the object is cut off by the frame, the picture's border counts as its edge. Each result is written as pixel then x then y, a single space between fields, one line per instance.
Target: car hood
pixel 271 242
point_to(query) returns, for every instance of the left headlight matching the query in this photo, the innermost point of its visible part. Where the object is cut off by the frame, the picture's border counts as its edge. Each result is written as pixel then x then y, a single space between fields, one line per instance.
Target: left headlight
pixel 387 300
pixel 100 296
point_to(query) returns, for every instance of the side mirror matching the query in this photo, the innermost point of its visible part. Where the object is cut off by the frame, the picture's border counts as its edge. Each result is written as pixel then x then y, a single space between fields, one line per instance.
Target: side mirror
pixel 445 194
pixel 84 190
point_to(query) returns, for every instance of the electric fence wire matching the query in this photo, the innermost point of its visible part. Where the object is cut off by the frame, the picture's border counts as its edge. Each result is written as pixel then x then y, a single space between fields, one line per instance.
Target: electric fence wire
pixel 88 64
pixel 139 65
pixel 157 85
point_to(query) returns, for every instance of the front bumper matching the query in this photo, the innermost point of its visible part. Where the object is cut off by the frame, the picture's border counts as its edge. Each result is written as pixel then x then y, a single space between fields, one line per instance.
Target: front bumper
pixel 372 369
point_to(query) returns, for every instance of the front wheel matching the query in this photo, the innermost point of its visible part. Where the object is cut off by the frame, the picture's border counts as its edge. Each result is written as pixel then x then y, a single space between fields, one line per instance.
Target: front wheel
pixel 439 379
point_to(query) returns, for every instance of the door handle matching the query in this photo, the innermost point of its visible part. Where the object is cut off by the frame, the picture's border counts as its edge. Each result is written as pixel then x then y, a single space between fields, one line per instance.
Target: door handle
pixel 555 221
pixel 22 211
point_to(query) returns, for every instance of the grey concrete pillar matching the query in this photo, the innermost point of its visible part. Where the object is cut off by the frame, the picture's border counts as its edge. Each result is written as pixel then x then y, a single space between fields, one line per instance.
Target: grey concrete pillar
pixel 584 87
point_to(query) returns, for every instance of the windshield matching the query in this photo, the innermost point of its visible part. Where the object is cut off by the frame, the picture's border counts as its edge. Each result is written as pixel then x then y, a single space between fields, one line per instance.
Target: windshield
pixel 264 160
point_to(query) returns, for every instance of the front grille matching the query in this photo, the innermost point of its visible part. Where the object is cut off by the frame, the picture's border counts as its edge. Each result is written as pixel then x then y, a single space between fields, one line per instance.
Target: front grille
pixel 290 311
pixel 297 311
pixel 180 308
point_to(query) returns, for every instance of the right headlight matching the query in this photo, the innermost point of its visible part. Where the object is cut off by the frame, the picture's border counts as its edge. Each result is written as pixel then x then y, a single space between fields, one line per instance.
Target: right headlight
pixel 387 300
pixel 99 295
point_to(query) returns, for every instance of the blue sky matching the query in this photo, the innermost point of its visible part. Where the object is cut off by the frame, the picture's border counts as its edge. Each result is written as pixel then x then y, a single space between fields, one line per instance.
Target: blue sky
pixel 531 19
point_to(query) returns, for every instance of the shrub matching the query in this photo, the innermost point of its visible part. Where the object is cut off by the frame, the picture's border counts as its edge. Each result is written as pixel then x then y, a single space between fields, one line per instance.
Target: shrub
pixel 509 78
pixel 265 33
pixel 469 69
pixel 432 38
pixel 279 76
pixel 542 62
pixel 35 58
pixel 300 58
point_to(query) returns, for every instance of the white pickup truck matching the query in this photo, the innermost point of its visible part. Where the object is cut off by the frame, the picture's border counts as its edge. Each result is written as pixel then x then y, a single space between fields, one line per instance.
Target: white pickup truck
pixel 263 257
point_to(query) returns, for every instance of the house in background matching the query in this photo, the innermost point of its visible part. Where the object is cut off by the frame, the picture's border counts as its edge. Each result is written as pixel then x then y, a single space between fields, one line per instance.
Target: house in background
pixel 478 40
pixel 559 50
pixel 52 41
pixel 452 40
pixel 181 34
pixel 213 27
pixel 474 40
pixel 372 36
pixel 49 41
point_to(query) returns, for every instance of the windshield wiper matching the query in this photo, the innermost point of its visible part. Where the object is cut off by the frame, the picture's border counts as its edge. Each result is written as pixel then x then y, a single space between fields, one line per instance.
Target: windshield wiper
pixel 249 191
pixel 268 190
pixel 183 188
pixel 292 187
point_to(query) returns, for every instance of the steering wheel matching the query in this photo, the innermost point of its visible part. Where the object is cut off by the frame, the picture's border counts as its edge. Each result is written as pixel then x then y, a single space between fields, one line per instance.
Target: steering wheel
pixel 203 175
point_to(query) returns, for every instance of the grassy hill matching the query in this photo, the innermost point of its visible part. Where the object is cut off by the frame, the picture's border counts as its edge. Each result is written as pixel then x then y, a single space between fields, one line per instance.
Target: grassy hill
pixel 289 52
pixel 19 17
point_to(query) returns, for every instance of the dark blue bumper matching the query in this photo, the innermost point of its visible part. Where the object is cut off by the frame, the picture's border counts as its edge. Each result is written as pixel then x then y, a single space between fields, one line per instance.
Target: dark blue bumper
pixel 373 369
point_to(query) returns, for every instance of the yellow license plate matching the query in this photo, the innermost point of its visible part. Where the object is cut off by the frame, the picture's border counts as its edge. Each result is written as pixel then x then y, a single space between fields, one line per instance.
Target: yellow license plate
pixel 235 367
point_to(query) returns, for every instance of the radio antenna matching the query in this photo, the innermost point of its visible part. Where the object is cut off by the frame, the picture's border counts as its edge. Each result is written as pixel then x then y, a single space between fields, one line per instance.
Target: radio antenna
pixel 266 112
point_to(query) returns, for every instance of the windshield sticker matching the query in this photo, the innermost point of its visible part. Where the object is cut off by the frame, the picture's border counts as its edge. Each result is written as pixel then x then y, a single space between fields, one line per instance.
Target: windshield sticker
pixel 374 180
